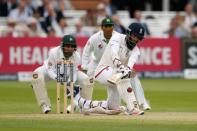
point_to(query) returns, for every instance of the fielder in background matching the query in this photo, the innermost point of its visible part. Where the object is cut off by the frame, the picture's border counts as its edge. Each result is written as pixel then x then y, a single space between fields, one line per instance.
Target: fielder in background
pixel 93 51
pixel 95 47
pixel 48 71
pixel 115 71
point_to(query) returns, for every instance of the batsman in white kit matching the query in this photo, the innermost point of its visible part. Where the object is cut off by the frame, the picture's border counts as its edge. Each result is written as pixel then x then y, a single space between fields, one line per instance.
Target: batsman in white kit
pixel 115 70
pixel 48 71
pixel 96 45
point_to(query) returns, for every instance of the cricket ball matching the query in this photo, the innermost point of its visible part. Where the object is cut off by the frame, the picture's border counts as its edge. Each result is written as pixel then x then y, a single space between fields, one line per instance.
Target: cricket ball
pixel 129 89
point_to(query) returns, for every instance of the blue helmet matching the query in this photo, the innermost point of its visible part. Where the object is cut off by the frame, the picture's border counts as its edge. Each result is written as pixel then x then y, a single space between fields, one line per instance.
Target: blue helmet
pixel 134 34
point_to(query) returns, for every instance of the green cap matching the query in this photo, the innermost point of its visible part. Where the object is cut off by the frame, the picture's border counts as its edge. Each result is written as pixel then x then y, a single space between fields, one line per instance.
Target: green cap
pixel 107 21
pixel 68 40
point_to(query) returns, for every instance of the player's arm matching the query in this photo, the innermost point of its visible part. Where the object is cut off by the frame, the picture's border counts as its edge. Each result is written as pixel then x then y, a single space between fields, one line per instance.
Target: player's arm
pixel 51 66
pixel 114 49
pixel 122 71
pixel 133 57
pixel 126 71
pixel 86 54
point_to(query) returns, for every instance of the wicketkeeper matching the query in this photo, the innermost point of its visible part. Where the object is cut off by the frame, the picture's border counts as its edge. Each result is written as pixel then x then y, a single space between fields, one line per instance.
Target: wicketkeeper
pixel 48 71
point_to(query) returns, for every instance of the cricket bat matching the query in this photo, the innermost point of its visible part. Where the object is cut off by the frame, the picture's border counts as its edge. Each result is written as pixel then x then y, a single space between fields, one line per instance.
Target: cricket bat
pixel 115 78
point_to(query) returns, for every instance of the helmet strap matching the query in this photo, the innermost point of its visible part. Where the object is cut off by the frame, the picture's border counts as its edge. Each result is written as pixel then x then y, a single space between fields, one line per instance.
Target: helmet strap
pixel 130 44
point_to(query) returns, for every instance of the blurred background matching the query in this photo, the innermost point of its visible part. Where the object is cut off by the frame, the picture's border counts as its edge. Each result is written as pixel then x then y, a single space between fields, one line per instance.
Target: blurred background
pixel 167 65
pixel 29 28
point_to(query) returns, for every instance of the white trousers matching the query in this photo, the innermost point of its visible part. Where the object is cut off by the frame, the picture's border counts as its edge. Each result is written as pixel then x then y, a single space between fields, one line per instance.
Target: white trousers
pixel 102 74
pixel 91 68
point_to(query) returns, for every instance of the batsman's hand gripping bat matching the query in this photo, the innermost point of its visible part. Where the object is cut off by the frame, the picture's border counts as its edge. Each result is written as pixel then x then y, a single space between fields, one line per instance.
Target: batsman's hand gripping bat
pixel 118 76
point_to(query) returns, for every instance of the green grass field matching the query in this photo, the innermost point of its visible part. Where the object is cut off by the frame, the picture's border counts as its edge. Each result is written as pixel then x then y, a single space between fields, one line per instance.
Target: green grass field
pixel 173 102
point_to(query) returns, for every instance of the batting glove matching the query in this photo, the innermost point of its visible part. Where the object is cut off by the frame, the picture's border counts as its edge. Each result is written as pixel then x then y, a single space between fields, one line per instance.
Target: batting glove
pixel 127 72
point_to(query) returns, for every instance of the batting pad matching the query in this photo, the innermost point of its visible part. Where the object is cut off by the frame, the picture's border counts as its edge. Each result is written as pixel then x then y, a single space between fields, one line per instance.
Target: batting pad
pixel 139 92
pixel 39 88
pixel 87 89
pixel 126 93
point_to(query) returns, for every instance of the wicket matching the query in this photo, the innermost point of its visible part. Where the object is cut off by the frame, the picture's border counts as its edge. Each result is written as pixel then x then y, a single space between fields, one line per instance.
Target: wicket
pixel 63 79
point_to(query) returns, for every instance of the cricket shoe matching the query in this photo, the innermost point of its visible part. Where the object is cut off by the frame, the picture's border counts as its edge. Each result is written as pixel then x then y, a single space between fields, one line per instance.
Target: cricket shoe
pixel 75 107
pixel 146 106
pixel 134 111
pixel 100 110
pixel 113 112
pixel 46 109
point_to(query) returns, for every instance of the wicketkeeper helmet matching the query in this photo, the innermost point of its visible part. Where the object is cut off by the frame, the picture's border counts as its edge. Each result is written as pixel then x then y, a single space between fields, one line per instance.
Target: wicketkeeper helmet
pixel 68 41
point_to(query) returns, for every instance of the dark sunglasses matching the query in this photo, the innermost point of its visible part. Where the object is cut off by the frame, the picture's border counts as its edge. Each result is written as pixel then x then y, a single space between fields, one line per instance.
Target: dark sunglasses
pixel 68 46
pixel 108 26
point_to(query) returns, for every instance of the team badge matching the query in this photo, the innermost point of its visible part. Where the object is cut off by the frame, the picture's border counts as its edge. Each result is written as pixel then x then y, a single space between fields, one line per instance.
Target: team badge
pixel 100 46
pixel 35 76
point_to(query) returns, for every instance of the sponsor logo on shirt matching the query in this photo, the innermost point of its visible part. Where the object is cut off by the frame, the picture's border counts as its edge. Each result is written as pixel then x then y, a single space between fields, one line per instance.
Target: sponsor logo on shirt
pixel 35 75
pixel 100 46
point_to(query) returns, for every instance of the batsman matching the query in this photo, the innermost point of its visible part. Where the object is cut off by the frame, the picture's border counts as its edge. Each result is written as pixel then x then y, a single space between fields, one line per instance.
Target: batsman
pixel 48 71
pixel 115 71
pixel 97 44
